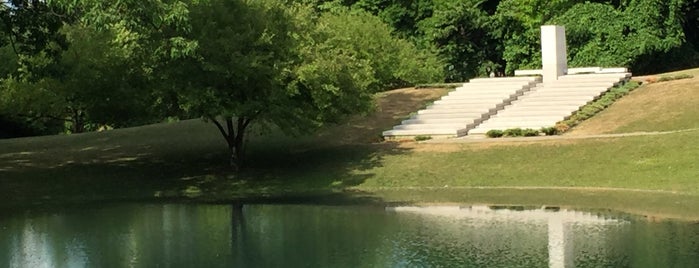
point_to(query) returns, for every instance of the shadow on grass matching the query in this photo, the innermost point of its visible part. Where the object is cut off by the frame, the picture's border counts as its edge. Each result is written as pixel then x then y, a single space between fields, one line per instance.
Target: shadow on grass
pixel 121 171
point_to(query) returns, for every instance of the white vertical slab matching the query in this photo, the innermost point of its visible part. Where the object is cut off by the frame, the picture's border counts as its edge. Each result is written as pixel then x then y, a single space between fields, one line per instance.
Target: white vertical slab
pixel 560 250
pixel 553 52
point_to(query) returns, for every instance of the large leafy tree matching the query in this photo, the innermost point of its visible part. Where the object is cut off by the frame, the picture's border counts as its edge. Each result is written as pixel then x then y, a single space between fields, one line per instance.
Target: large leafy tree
pixel 93 84
pixel 463 33
pixel 28 28
pixel 634 34
pixel 265 61
pixel 518 29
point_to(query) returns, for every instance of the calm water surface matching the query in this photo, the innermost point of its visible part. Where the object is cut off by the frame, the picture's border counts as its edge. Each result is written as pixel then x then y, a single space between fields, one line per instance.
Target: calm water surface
pixel 183 235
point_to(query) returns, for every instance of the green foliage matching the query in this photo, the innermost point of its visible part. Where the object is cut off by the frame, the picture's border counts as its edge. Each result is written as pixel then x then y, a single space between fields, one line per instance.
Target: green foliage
pixel 518 25
pixel 549 131
pixel 513 132
pixel 602 35
pixel 494 133
pixel 422 137
pixel 528 132
pixel 394 62
pixel 462 33
pixel 475 37
pixel 403 16
pixel 94 85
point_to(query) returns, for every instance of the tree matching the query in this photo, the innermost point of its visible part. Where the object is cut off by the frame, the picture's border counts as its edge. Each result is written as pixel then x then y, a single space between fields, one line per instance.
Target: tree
pixel 518 28
pixel 283 64
pixel 91 83
pixel 462 33
pixel 636 34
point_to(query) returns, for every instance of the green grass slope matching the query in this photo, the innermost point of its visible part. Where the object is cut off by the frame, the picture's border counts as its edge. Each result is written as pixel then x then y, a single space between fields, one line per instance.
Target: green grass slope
pixel 652 175
pixel 660 106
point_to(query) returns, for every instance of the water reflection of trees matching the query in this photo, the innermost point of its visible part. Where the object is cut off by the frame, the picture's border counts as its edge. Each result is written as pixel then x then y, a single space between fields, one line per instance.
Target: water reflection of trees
pixel 181 235
pixel 152 235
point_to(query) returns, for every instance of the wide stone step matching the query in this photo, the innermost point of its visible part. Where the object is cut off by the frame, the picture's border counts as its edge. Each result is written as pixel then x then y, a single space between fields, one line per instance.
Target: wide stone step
pixel 488 90
pixel 461 121
pixel 504 79
pixel 562 94
pixel 577 103
pixel 432 126
pixel 431 132
pixel 557 98
pixel 471 115
pixel 456 108
pixel 600 75
pixel 471 97
pixel 572 87
pixel 524 118
pixel 500 83
pixel 468 102
pixel 586 80
pixel 532 113
pixel 487 87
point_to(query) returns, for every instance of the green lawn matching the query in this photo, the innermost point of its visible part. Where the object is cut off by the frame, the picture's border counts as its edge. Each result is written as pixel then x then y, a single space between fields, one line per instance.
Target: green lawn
pixel 654 175
pixel 660 163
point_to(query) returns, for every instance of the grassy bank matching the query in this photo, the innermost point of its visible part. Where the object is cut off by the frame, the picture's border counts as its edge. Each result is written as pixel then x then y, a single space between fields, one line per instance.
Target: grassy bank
pixel 186 161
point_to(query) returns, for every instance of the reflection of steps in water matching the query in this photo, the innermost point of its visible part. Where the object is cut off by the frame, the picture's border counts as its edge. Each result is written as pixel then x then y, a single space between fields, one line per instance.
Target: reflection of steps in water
pixel 493 213
pixel 559 223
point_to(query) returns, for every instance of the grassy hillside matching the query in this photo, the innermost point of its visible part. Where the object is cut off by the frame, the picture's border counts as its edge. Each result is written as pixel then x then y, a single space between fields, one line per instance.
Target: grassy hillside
pixel 654 175
pixel 660 106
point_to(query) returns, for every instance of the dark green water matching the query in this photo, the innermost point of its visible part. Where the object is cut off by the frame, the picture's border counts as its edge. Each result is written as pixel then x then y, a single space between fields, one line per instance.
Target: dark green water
pixel 181 235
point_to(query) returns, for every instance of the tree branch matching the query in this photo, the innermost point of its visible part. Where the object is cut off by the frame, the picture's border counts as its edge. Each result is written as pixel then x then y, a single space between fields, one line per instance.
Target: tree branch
pixel 219 126
pixel 229 123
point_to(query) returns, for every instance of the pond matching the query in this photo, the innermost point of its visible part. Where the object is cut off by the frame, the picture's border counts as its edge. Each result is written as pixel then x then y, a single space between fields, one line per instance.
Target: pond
pixel 195 235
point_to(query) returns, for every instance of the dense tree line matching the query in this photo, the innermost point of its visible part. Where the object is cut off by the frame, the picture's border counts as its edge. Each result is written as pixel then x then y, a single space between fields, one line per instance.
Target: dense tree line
pixel 474 35
pixel 75 66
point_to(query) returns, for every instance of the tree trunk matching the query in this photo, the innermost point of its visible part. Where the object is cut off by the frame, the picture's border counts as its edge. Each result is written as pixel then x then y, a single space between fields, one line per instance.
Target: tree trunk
pixel 234 133
pixel 78 121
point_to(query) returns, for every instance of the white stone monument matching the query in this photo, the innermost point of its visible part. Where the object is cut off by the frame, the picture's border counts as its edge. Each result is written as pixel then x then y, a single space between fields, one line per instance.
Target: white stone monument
pixel 553 52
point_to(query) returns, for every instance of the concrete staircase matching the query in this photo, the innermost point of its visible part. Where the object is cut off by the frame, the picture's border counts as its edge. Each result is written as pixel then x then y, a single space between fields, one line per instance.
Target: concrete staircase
pixel 464 108
pixel 548 103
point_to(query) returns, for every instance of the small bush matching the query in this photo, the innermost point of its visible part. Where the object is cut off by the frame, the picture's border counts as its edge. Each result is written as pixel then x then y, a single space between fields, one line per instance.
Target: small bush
pixel 422 138
pixel 494 133
pixel 513 132
pixel 530 132
pixel 549 131
pixel 561 127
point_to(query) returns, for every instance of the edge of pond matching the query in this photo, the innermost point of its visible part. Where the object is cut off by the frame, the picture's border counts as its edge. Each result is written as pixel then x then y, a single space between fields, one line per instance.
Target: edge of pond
pixel 652 205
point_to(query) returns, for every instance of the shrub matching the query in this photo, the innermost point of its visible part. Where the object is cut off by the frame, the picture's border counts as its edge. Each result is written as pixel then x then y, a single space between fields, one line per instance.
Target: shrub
pixel 549 131
pixel 494 133
pixel 561 127
pixel 530 132
pixel 513 132
pixel 422 137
